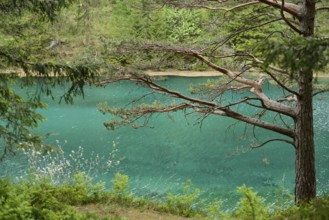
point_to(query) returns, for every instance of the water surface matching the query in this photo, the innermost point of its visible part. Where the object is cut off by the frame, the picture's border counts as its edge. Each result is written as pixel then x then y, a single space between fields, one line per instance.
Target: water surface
pixel 213 155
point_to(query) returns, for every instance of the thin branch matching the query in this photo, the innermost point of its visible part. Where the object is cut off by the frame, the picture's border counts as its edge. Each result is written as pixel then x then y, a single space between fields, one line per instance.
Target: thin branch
pixel 253 121
pixel 223 8
pixel 287 21
pixel 281 84
pixel 244 30
pixel 256 87
pixel 321 91
pixel 283 121
pixel 140 98
pixel 256 106
pixel 273 140
pixel 277 69
pixel 322 8
pixel 245 100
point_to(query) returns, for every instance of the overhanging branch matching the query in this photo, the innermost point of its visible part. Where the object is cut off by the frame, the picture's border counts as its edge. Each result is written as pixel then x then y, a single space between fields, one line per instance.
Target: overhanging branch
pixel 256 87
pixel 290 8
pixel 222 8
pixel 203 106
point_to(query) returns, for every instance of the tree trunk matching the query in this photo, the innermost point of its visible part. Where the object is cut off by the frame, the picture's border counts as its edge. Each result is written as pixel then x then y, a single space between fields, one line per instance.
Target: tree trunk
pixel 305 183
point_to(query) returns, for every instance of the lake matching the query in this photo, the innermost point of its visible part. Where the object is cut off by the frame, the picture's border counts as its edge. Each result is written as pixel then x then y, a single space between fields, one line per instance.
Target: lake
pixel 214 155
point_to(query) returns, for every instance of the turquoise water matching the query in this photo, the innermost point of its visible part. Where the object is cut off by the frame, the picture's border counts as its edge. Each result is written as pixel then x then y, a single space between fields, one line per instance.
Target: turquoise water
pixel 158 159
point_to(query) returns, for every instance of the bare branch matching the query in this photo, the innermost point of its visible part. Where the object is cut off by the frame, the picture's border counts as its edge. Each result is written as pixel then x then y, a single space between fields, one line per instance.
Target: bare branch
pixel 238 102
pixel 256 60
pixel 223 8
pixel 204 106
pixel 288 98
pixel 290 8
pixel 140 98
pixel 253 84
pixel 257 106
pixel 281 84
pixel 321 91
pixel 256 87
pixel 244 30
pixel 287 21
pixel 254 121
pixel 283 121
pixel 322 8
pixel 273 140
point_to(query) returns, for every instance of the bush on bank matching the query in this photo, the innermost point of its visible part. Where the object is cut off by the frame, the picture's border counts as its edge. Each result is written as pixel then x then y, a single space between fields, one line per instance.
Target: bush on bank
pixel 41 199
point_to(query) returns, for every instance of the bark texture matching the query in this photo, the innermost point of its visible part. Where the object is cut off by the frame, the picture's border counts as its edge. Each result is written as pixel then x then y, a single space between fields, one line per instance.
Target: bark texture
pixel 305 183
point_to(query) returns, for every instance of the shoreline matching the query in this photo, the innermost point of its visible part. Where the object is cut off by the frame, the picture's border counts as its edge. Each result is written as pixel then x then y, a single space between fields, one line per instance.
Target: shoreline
pixel 184 73
pixel 207 73
pixel 181 73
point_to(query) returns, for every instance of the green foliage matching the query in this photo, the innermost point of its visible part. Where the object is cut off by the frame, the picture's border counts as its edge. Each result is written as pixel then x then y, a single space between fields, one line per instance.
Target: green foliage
pixel 251 205
pixel 249 26
pixel 316 209
pixel 81 190
pixel 24 37
pixel 296 53
pixel 119 191
pixel 46 8
pixel 186 203
pixel 18 116
pixel 13 204
pixel 43 200
pixel 18 113
pixel 128 115
pixel 187 26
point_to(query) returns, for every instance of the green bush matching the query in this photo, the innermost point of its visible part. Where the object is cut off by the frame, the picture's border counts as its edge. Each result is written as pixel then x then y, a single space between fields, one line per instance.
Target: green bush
pixel 316 209
pixel 13 203
pixel 81 190
pixel 186 203
pixel 120 193
pixel 251 205
pixel 42 199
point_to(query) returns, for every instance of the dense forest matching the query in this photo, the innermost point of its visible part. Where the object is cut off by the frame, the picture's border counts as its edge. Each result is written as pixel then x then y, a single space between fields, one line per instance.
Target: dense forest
pixel 79 43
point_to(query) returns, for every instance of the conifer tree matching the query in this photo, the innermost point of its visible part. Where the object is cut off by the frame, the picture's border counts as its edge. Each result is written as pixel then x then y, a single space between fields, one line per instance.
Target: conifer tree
pixel 283 41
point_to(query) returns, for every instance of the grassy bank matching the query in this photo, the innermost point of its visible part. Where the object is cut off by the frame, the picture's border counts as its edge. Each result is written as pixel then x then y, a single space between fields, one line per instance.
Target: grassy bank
pixel 80 198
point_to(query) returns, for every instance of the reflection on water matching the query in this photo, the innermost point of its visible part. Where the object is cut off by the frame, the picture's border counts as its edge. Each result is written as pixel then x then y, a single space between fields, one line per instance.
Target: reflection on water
pixel 158 160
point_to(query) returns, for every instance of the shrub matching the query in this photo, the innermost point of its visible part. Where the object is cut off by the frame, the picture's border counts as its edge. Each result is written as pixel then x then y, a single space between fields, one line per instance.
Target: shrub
pixel 251 205
pixel 185 204
pixel 120 193
pixel 316 209
pixel 13 203
pixel 42 199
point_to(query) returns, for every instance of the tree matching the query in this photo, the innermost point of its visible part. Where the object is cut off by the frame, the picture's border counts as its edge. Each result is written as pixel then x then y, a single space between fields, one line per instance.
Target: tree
pixel 21 65
pixel 289 56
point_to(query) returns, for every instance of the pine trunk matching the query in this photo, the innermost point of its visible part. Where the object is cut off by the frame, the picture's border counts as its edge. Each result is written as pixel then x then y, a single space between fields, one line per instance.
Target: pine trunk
pixel 305 185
